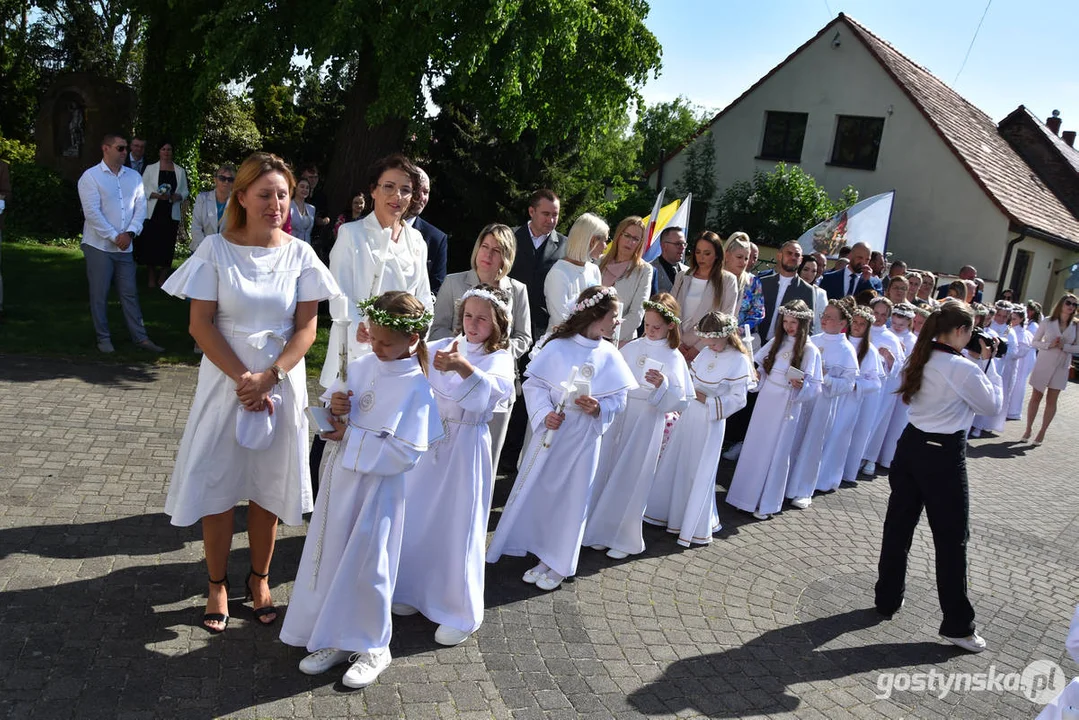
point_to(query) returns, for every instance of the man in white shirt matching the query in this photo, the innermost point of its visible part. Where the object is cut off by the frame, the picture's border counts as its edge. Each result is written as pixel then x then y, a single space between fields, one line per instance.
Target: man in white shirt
pixel 114 205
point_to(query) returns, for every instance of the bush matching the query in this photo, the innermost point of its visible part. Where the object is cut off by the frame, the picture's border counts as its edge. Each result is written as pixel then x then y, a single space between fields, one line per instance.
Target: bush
pixel 45 203
pixel 13 151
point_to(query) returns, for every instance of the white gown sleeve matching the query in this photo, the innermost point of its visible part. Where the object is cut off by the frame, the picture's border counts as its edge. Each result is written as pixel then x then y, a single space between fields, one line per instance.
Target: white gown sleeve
pixel 811 386
pixel 537 395
pixel 376 455
pixel 870 378
pixel 609 407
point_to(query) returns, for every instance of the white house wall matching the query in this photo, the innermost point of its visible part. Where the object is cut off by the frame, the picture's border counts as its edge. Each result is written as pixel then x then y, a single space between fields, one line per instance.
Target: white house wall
pixel 942 219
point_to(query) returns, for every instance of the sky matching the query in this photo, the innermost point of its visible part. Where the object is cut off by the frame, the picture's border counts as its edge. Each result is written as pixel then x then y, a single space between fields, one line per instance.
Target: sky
pixel 1026 53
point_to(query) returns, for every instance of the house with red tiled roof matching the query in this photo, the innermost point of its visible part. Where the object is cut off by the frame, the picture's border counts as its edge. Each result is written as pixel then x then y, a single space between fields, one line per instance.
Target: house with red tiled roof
pixel 850 109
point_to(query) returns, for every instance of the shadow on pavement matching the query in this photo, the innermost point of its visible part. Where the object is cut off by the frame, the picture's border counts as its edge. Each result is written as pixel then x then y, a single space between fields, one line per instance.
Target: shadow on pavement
pixel 21 368
pixel 755 678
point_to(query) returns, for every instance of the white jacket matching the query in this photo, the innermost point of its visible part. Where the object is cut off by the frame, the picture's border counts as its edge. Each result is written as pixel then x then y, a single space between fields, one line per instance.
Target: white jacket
pixel 204 218
pixel 150 184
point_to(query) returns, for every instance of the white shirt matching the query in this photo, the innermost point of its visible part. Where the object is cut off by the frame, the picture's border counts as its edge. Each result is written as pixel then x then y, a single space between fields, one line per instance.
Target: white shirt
pixel 537 240
pixel 784 283
pixel 953 390
pixel 112 204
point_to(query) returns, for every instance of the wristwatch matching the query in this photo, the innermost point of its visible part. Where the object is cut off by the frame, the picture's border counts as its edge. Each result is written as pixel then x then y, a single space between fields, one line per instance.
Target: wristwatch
pixel 281 374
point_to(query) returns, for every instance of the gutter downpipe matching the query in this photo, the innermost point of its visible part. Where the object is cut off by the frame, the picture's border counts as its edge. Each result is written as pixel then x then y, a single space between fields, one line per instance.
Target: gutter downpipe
pixel 1008 258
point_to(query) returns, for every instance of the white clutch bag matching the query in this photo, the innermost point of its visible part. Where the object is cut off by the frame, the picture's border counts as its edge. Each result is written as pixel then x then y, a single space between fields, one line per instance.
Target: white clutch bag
pixel 254 430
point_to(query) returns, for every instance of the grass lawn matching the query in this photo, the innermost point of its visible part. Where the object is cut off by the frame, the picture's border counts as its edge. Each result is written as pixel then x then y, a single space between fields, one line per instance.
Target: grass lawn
pixel 47 311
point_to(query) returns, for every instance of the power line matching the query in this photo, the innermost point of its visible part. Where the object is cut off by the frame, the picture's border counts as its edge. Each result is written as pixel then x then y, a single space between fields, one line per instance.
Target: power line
pixel 829 9
pixel 971 46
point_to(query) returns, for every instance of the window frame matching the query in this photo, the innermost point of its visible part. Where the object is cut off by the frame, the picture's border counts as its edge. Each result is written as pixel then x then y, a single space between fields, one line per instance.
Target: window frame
pixel 840 126
pixel 782 157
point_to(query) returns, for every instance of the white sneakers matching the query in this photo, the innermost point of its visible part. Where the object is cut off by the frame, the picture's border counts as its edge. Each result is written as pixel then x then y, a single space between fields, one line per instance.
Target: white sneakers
pixel 450 636
pixel 870 468
pixel 365 668
pixel 801 503
pixel 974 642
pixel 322 660
pixel 402 609
pixel 762 516
pixel 733 452
pixel 617 554
pixel 549 580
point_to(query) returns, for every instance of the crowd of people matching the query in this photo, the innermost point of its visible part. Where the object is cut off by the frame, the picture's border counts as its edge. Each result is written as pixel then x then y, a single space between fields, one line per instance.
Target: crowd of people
pixel 609 385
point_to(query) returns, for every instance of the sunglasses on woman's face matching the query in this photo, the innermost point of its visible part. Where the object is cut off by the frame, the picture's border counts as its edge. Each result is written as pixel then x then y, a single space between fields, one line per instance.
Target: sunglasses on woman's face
pixel 1070 303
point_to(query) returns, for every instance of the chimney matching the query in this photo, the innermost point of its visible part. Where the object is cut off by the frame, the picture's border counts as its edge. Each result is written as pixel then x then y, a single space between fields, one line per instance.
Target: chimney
pixel 1053 123
pixel 1069 137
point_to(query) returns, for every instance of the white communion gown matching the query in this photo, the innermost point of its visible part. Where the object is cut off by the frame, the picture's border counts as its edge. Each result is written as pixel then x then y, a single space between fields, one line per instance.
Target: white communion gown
pixel 867 398
pixel 900 410
pixel 884 339
pixel 630 449
pixel 344 586
pixel 256 290
pixel 448 493
pixel 548 506
pixel 1006 368
pixel 1023 366
pixel 760 478
pixel 683 497
pixel 821 446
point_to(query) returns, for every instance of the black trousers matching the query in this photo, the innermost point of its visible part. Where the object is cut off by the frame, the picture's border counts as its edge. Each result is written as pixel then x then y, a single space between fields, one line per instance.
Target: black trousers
pixel 318 446
pixel 518 426
pixel 738 423
pixel 929 471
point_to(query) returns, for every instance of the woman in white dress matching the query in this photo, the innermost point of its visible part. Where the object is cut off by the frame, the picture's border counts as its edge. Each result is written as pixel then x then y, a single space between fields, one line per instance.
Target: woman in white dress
pixel 340 605
pixel 823 449
pixel 622 268
pixel 867 391
pixel 791 375
pixel 683 497
pixel 302 212
pixel 254 294
pixel 1023 337
pixel 1056 341
pixel 492 258
pixel 576 385
pixel 703 288
pixel 902 319
pixel 448 493
pixel 574 272
pixel 630 449
pixel 1033 310
pixel 376 254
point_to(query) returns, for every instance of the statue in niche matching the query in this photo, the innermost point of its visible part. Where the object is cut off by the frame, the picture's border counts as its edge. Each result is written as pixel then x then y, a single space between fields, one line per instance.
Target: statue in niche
pixel 75 131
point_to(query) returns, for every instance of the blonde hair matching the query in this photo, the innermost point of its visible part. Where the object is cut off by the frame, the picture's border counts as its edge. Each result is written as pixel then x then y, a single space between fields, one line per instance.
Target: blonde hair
pixel 740 241
pixel 503 235
pixel 254 167
pixel 585 228
pixel 1059 308
pixel 611 253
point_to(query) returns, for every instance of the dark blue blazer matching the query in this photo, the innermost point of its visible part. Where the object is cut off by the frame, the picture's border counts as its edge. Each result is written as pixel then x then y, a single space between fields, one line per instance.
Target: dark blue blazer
pixel 437 244
pixel 832 284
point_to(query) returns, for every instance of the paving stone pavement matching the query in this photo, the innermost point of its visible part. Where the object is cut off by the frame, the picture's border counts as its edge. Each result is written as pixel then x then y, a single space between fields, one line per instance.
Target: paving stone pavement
pixel 101 596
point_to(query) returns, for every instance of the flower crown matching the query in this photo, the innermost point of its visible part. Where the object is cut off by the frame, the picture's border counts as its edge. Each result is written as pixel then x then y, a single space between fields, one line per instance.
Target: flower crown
pixel 663 310
pixel 604 292
pixel 797 314
pixel 398 323
pixel 725 330
pixel 1003 305
pixel 485 295
pixel 904 310
pixel 864 313
pixel 843 307
pixel 922 311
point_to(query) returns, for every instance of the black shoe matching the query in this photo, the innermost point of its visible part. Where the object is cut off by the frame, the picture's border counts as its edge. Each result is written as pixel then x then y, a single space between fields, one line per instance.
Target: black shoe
pixel 889 613
pixel 849 483
pixel 262 612
pixel 217 617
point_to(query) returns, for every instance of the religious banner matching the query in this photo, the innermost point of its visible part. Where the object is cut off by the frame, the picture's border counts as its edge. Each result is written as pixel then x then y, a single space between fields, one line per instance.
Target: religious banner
pixel 865 221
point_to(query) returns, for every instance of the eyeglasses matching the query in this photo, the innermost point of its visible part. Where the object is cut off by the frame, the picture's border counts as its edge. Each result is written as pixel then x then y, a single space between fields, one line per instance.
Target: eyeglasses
pixel 121 148
pixel 675 244
pixel 225 178
pixel 631 236
pixel 1070 303
pixel 391 189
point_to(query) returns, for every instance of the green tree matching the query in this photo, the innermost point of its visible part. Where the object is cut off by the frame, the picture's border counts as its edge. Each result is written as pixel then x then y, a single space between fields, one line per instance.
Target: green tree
pixel 666 127
pixel 229 132
pixel 777 206
pixel 562 69
pixel 699 178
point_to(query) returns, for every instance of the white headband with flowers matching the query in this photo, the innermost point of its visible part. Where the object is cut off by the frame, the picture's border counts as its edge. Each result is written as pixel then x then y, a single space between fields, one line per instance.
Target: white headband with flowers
pixel 797 314
pixel 604 292
pixel 485 295
pixel 725 330
pixel 904 310
pixel 663 310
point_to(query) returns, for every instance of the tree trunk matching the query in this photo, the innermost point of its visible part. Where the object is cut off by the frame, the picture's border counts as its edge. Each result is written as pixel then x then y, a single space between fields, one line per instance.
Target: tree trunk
pixel 357 143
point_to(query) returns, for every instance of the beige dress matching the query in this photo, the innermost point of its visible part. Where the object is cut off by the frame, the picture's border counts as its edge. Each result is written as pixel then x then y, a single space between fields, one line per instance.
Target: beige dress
pixel 1051 367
